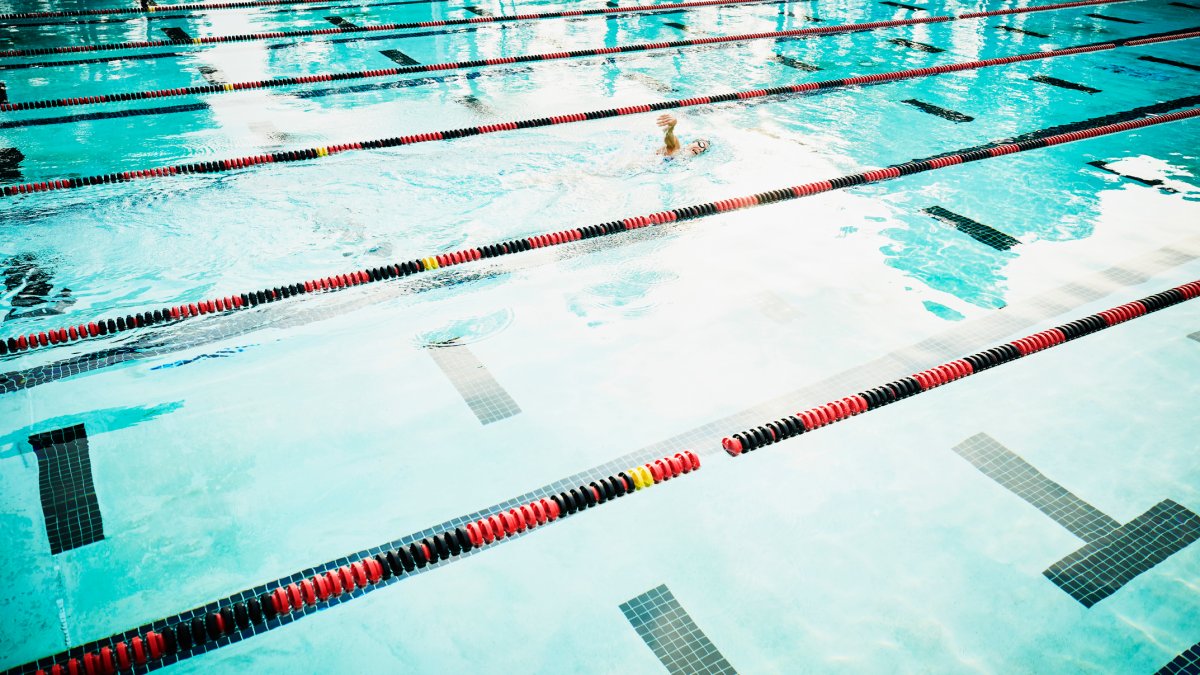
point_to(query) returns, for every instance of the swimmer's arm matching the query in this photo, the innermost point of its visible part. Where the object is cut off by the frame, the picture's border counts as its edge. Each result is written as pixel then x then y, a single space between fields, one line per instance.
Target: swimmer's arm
pixel 668 123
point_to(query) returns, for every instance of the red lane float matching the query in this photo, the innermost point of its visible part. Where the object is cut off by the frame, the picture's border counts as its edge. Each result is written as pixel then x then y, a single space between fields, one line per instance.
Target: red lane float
pixel 223 165
pixel 309 32
pixel 392 271
pixel 479 63
pixel 200 631
pixel 877 397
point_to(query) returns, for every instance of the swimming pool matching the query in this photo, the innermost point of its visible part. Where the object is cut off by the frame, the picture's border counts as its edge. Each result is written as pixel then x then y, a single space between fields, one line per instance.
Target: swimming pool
pixel 221 472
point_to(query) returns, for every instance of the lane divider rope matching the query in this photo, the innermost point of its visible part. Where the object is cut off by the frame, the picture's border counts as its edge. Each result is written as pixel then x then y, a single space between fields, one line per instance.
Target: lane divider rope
pixel 344 30
pixel 279 602
pixel 230 87
pixel 241 301
pixel 873 399
pixel 184 7
pixel 223 165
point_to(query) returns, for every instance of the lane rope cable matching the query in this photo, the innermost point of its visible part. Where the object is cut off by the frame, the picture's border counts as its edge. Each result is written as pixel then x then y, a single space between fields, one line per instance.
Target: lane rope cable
pixel 230 87
pixel 241 301
pixel 347 30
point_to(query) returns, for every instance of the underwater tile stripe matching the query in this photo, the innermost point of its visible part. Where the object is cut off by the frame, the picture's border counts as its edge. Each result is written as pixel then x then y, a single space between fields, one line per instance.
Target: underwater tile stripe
pixel 69 506
pixel 1169 62
pixel 481 392
pixel 1022 479
pixel 161 13
pixel 375 28
pixel 78 62
pixel 1187 663
pixel 478 63
pixel 1102 567
pixel 938 111
pixel 1112 18
pixel 280 602
pixel 671 633
pixel 1063 84
pixel 919 46
pixel 901 5
pixel 400 57
pixel 1022 31
pixel 1149 182
pixel 303 154
pixel 1067 133
pixel 984 234
pixel 196 7
pixel 850 405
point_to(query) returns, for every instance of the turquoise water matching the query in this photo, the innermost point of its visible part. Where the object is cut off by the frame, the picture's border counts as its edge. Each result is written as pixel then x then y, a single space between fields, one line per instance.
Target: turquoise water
pixel 310 429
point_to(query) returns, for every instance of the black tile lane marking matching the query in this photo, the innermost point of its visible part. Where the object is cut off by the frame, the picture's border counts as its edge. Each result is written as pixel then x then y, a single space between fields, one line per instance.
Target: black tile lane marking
pixel 212 75
pixel 160 17
pixel 98 59
pixel 1149 182
pixel 795 63
pixel 10 163
pixel 901 5
pixel 1102 567
pixel 1169 62
pixel 192 632
pixel 474 9
pixel 3 93
pixel 189 10
pixel 671 633
pixel 399 57
pixel 1109 124
pixel 1022 31
pixel 1187 663
pixel 482 393
pixel 174 33
pixel 68 495
pixel 1187 5
pixel 1195 336
pixel 1019 477
pixel 340 22
pixel 85 117
pixel 919 46
pixel 984 234
pixel 1111 18
pixel 1114 553
pixel 944 113
pixel 1063 84
pixel 676 25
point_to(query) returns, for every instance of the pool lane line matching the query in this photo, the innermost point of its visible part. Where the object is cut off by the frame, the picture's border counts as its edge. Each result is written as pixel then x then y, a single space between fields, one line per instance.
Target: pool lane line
pixel 277 603
pixel 308 32
pixel 164 14
pixel 872 399
pixel 478 63
pixel 192 7
pixel 223 165
pixel 1119 122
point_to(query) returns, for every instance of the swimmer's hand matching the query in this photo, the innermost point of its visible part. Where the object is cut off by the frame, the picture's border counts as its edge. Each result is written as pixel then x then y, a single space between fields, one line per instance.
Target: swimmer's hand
pixel 670 143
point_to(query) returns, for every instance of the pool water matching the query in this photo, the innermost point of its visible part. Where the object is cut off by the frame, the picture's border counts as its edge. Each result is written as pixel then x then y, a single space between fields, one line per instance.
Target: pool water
pixel 233 450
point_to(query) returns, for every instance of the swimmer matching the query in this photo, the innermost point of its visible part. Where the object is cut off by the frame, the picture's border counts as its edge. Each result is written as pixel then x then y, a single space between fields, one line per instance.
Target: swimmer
pixel 671 146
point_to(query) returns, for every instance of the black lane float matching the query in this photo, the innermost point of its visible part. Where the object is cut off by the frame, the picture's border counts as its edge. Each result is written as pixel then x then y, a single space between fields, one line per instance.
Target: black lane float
pixel 885 394
pixel 478 63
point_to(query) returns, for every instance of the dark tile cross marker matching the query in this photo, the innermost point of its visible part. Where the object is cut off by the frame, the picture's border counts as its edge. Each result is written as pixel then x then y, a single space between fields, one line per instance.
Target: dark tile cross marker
pixel 1114 554
pixel 3 93
pixel 984 234
pixel 399 57
pixel 796 63
pixel 1187 663
pixel 1188 5
pixel 944 113
pixel 901 5
pixel 919 46
pixel 1150 182
pixel 486 398
pixel 672 635
pixel 1195 336
pixel 212 75
pixel 1169 62
pixel 177 34
pixel 1063 84
pixel 478 10
pixel 1022 31
pixel 68 494
pixel 676 25
pixel 1111 18
pixel 340 22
